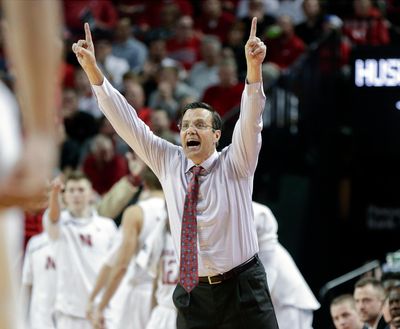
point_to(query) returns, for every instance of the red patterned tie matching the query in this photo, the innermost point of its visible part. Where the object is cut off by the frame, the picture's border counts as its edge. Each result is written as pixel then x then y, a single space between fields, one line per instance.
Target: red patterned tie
pixel 188 276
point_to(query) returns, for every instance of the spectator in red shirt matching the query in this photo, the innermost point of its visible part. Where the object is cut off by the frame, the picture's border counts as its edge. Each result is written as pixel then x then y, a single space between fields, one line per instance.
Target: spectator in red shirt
pixel 213 20
pixel 366 26
pixel 103 166
pixel 284 49
pixel 101 15
pixel 184 45
pixel 334 50
pixel 226 95
pixel 164 25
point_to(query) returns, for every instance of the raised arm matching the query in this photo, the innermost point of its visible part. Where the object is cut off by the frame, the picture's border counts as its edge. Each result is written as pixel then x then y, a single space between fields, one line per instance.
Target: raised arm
pixel 255 51
pixel 246 139
pixel 52 215
pixel 132 222
pixel 54 200
pixel 122 116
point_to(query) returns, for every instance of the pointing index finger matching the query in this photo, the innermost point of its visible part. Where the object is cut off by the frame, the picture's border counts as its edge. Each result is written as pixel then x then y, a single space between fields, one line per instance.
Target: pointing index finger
pixel 88 34
pixel 253 27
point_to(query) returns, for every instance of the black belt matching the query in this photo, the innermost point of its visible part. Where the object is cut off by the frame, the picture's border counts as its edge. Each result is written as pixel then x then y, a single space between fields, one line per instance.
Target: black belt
pixel 230 274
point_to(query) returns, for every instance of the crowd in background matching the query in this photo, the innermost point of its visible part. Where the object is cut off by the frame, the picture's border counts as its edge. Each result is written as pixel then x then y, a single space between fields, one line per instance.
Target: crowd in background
pixel 163 54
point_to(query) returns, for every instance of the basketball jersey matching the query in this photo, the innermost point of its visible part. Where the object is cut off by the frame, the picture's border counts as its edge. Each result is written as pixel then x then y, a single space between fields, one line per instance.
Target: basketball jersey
pixel 81 245
pixel 39 272
pixel 135 311
pixel 286 283
pixel 169 272
pixel 154 213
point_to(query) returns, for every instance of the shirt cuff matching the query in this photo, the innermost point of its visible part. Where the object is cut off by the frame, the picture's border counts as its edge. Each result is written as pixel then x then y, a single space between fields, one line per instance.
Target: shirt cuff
pixel 102 91
pixel 254 88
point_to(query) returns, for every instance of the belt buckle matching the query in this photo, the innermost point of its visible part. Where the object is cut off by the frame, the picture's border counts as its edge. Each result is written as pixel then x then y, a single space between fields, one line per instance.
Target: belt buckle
pixel 211 282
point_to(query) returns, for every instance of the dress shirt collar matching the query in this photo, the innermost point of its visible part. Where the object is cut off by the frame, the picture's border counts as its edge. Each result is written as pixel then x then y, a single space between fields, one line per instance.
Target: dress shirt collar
pixel 207 164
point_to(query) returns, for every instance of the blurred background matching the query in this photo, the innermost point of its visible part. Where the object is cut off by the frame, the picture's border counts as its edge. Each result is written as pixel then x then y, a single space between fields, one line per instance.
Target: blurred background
pixel 329 164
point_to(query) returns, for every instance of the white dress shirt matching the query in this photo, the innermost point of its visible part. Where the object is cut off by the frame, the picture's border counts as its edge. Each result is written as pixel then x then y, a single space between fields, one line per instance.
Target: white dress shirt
pixel 226 231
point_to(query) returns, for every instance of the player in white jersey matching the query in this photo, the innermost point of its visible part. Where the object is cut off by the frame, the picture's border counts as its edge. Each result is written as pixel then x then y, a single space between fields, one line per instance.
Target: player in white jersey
pixel 39 282
pixel 82 240
pixel 293 300
pixel 141 225
pixel 164 314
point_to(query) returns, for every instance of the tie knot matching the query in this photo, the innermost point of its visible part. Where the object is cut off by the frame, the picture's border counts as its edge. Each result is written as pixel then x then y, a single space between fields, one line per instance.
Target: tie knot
pixel 196 170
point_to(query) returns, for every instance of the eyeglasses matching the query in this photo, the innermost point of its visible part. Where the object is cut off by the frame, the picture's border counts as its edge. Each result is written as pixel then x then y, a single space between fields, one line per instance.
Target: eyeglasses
pixel 197 125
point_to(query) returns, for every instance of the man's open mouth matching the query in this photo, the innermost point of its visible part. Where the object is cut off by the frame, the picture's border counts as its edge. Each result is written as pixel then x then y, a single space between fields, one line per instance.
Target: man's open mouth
pixel 193 144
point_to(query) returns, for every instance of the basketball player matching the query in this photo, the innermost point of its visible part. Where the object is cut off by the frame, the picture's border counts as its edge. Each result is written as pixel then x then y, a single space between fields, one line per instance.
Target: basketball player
pixel 39 282
pixel 82 240
pixel 293 300
pixel 164 313
pixel 141 225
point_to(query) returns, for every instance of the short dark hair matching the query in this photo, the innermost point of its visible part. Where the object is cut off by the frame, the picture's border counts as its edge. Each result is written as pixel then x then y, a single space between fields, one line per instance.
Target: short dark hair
pixel 76 175
pixel 216 118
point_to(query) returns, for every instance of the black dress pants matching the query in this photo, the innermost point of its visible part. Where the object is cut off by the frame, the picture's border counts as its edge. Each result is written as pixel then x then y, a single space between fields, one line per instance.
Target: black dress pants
pixel 241 302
